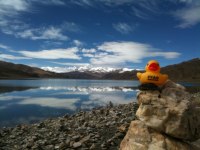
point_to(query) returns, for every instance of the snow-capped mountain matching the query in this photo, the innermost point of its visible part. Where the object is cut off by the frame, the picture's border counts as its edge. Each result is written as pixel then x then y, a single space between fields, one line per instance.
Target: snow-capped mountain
pixel 86 69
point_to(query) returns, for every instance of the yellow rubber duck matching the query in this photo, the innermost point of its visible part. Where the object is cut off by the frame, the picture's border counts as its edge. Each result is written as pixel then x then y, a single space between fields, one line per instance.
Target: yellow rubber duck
pixel 152 74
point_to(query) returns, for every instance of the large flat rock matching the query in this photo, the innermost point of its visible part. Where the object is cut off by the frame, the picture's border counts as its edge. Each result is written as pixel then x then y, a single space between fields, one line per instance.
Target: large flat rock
pixel 141 137
pixel 170 111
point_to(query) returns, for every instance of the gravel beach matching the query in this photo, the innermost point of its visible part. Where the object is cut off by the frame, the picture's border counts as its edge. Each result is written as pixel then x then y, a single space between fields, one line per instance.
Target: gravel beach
pixel 101 128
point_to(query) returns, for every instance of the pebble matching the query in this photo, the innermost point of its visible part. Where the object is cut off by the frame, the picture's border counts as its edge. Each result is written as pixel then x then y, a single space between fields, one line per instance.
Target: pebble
pixel 77 144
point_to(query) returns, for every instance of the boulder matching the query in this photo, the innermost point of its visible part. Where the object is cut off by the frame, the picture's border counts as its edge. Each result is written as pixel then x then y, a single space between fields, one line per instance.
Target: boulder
pixel 141 137
pixel 170 111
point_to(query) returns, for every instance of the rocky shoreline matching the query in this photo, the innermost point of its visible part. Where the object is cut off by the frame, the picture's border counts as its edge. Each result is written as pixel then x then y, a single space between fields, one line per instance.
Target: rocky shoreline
pixel 100 128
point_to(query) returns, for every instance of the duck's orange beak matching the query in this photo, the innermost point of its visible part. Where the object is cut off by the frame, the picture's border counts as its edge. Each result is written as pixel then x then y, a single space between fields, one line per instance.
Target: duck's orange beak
pixel 153 67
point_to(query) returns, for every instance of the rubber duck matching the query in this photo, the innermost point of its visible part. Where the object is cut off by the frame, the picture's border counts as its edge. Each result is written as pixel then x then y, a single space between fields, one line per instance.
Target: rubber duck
pixel 152 74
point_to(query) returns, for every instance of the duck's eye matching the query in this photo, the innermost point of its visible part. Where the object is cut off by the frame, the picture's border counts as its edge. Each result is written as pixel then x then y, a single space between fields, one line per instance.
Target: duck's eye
pixel 147 64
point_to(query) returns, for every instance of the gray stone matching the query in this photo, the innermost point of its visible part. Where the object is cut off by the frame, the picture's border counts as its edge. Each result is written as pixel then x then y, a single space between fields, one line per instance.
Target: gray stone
pixel 171 111
pixel 140 137
pixel 77 144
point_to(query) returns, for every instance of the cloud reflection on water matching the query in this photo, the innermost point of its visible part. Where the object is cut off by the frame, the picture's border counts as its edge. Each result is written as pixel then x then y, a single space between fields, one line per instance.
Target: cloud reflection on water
pixel 88 89
pixel 51 102
pixel 36 104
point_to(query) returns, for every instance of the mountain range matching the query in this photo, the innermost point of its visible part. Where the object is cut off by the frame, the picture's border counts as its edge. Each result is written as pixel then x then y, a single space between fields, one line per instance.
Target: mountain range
pixel 185 71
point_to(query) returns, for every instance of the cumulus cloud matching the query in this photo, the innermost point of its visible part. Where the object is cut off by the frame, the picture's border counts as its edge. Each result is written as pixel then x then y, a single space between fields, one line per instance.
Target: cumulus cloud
pixel 68 53
pixel 123 28
pixel 119 53
pixel 188 16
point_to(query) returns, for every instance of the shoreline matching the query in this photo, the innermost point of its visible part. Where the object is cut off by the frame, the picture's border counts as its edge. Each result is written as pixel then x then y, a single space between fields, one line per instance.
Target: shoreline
pixel 100 128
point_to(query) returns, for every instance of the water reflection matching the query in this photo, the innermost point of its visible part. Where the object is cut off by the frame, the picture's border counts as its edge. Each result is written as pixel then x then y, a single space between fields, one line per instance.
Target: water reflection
pixel 7 89
pixel 29 105
pixel 90 89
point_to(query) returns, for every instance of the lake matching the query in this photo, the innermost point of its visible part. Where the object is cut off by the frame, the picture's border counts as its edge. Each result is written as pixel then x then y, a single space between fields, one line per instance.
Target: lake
pixel 30 101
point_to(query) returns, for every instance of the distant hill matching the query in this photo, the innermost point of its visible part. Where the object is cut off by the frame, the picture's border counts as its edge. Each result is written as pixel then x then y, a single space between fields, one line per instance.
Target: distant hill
pixel 185 71
pixel 114 75
pixel 16 71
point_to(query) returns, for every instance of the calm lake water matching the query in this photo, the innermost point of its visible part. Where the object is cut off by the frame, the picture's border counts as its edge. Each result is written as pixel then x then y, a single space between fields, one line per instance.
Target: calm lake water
pixel 30 101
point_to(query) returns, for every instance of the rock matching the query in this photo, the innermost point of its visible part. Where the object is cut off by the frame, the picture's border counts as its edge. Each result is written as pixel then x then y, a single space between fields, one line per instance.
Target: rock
pixel 122 128
pixel 140 137
pixel 92 147
pixel 57 147
pixel 171 84
pixel 170 112
pixel 85 139
pixel 196 143
pixel 76 138
pixel 77 144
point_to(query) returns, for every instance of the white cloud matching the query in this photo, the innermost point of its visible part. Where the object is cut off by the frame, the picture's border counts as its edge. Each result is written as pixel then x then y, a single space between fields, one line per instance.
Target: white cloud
pixel 188 16
pixel 92 50
pixel 11 57
pixel 89 52
pixel 4 46
pixel 119 53
pixel 139 13
pixel 12 7
pixel 104 2
pixel 50 33
pixel 68 53
pixel 77 43
pixel 167 55
pixel 10 24
pixel 50 2
pixel 22 30
pixel 123 28
pixel 144 9
pixel 72 64
pixel 89 55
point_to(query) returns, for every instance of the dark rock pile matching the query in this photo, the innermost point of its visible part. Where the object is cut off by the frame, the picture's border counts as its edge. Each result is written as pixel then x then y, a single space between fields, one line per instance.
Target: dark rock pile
pixel 101 128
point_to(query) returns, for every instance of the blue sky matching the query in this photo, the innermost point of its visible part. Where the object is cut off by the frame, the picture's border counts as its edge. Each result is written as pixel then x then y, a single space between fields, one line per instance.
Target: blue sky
pixel 106 33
